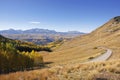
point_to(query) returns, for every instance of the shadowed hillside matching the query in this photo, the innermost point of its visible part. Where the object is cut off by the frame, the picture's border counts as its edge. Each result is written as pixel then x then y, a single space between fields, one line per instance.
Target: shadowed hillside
pixel 15 57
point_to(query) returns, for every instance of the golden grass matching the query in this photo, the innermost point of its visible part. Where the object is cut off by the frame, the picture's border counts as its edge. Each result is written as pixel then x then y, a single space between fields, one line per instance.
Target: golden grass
pixel 82 47
pixel 88 71
pixel 68 57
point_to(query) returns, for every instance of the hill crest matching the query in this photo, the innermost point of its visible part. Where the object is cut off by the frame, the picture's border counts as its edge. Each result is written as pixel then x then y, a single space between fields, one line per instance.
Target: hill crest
pixel 107 35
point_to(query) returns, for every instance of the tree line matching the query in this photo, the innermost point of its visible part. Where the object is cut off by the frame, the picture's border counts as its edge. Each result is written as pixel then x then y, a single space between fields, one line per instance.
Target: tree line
pixel 12 60
pixel 16 55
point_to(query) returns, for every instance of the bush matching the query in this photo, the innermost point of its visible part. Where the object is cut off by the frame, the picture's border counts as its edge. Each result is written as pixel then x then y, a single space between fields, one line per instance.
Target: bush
pixel 95 48
pixel 90 57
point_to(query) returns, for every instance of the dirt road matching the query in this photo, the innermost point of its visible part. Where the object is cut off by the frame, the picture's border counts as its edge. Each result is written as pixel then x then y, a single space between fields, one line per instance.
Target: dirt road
pixel 102 57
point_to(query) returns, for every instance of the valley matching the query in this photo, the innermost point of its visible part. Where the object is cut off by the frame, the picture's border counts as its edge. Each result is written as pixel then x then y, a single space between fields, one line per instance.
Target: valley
pixel 39 36
pixel 59 40
pixel 70 60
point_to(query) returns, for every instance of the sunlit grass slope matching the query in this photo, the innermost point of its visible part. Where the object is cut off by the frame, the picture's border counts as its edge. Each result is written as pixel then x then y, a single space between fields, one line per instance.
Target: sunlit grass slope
pixel 66 60
pixel 82 47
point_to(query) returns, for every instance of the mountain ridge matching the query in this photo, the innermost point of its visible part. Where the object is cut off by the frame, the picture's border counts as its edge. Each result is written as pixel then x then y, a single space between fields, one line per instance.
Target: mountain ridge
pixel 39 36
pixel 35 30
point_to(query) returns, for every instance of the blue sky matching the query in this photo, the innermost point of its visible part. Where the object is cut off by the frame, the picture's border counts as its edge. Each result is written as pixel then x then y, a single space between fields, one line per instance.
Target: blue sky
pixel 59 15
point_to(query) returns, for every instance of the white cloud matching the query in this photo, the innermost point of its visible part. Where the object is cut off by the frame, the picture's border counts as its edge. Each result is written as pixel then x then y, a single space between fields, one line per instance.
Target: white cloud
pixel 34 22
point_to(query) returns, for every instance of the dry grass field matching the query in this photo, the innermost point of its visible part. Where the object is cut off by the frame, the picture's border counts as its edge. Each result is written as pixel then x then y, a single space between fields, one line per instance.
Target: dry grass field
pixel 108 70
pixel 82 47
pixel 67 61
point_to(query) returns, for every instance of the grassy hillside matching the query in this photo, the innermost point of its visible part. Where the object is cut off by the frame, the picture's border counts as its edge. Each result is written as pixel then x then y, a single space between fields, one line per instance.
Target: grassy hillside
pixel 67 61
pixel 81 48
pixel 108 70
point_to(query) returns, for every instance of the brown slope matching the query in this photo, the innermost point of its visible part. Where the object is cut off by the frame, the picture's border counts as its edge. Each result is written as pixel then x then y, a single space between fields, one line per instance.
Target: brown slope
pixel 81 48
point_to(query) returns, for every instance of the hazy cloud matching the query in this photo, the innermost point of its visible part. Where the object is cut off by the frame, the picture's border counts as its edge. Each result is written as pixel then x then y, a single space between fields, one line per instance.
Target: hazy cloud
pixel 34 22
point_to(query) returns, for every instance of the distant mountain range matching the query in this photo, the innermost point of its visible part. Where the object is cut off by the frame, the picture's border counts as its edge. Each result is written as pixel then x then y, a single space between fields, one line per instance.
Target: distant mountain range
pixel 39 36
pixel 37 31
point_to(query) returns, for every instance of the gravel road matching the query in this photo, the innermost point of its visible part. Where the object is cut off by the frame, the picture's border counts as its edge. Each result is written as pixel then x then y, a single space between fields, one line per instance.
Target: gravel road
pixel 102 57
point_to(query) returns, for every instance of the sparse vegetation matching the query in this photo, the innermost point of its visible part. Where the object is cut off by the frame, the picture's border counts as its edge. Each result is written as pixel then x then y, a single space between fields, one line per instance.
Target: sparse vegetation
pixel 95 48
pixel 54 45
pixel 90 57
pixel 109 70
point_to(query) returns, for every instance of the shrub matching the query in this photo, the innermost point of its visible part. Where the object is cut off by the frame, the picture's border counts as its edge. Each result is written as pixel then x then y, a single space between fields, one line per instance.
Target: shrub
pixel 95 48
pixel 90 57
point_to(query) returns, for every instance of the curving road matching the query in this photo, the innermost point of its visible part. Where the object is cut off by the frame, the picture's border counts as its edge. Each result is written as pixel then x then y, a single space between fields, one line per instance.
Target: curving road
pixel 102 57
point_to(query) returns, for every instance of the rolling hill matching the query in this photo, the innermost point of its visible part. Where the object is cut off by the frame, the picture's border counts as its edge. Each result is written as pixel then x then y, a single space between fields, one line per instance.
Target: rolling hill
pixel 81 48
pixel 67 61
